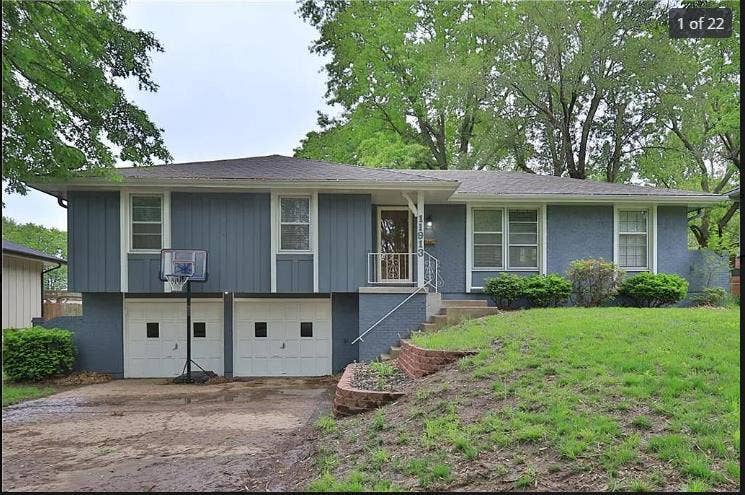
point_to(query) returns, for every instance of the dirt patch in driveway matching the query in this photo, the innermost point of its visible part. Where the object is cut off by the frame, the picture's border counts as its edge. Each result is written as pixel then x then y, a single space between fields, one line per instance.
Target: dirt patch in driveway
pixel 143 435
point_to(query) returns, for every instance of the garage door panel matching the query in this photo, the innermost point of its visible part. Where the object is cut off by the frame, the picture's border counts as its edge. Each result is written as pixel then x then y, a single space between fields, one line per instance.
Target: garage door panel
pixel 164 356
pixel 283 350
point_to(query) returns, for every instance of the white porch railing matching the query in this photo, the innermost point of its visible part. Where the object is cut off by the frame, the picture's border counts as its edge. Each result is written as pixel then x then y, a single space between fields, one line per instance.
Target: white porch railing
pixel 400 269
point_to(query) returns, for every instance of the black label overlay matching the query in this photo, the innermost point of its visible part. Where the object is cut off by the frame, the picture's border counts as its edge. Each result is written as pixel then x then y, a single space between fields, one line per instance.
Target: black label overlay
pixel 700 22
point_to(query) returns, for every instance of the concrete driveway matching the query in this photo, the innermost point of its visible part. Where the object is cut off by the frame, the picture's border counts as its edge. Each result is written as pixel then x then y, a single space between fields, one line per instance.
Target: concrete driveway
pixel 150 435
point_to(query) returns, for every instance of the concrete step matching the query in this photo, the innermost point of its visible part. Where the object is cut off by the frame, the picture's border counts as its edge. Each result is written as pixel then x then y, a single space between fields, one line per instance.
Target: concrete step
pixel 394 352
pixel 461 313
pixel 428 327
pixel 384 357
pixel 464 303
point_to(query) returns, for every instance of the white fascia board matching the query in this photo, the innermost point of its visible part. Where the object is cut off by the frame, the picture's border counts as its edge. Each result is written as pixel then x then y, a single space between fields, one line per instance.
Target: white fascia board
pixel 587 199
pixel 241 184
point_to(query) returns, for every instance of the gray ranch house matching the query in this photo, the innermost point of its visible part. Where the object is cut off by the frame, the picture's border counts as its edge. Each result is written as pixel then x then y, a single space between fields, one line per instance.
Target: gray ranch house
pixel 313 265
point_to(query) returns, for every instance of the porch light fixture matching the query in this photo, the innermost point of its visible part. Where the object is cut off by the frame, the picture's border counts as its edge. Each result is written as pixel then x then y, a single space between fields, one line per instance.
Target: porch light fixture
pixel 429 221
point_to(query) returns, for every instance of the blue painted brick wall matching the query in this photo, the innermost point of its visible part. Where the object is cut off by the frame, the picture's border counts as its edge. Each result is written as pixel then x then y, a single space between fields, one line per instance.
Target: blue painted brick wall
pixel 398 325
pixel 97 334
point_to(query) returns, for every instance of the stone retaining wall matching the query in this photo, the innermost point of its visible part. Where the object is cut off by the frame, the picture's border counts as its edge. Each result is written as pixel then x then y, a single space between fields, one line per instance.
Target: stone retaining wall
pixel 349 400
pixel 417 361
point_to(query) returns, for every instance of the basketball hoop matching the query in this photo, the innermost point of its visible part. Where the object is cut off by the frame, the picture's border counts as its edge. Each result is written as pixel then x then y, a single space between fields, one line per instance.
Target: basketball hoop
pixel 179 268
pixel 176 282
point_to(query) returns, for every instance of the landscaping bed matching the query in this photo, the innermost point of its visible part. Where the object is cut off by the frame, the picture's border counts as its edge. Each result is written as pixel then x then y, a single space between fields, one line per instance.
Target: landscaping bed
pixel 380 377
pixel 558 399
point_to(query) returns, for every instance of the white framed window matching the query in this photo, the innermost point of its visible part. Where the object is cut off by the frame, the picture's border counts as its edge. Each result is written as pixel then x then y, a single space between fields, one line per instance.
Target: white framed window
pixel 505 239
pixel 632 238
pixel 488 238
pixel 146 222
pixel 294 224
pixel 522 251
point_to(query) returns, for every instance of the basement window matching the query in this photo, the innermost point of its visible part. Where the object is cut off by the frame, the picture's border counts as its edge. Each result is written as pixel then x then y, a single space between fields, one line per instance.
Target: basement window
pixel 260 329
pixel 200 330
pixel 306 329
pixel 153 330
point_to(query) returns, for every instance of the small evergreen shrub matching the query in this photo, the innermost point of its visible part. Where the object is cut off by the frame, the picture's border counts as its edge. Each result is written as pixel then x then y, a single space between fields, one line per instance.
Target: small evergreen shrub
pixel 649 290
pixel 594 281
pixel 711 296
pixel 505 289
pixel 546 290
pixel 37 353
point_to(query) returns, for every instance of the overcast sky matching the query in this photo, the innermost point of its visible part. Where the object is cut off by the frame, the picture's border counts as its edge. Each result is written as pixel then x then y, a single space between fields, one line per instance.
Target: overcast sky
pixel 236 79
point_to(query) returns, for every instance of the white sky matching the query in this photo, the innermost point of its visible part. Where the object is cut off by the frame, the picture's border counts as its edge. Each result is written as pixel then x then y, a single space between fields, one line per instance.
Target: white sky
pixel 236 79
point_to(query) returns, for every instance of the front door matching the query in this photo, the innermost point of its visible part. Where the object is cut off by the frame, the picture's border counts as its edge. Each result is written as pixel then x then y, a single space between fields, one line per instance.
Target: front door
pixel 394 245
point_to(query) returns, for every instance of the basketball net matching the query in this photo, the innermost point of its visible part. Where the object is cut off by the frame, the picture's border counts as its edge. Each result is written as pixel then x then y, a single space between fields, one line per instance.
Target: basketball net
pixel 177 282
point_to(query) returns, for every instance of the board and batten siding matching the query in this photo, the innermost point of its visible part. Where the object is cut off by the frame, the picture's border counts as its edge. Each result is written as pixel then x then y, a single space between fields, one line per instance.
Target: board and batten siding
pixel 344 239
pixel 93 246
pixel 21 291
pixel 235 229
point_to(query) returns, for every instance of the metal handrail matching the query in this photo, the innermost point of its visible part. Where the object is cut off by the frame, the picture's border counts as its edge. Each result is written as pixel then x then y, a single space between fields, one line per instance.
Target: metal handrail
pixel 432 279
pixel 389 313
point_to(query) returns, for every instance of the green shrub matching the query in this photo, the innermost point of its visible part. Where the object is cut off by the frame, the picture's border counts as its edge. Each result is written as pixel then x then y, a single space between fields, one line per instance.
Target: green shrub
pixel 36 353
pixel 505 289
pixel 711 296
pixel 593 281
pixel 649 290
pixel 546 290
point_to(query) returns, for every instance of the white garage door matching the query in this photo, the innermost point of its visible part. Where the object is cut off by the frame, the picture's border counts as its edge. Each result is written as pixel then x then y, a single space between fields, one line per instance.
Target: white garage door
pixel 276 337
pixel 155 336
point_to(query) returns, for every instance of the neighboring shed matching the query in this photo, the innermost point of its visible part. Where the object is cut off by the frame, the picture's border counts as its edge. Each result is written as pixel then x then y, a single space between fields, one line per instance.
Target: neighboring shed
pixel 23 268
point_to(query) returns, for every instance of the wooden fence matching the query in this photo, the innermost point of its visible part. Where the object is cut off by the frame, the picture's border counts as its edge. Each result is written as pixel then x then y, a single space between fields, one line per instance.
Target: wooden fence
pixel 62 303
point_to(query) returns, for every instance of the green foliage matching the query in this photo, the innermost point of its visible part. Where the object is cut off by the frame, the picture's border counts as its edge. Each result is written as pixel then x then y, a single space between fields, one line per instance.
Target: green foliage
pixel 37 353
pixel 63 110
pixel 505 289
pixel 547 290
pixel 326 424
pixel 650 290
pixel 383 372
pixel 13 394
pixel 47 240
pixel 594 281
pixel 711 296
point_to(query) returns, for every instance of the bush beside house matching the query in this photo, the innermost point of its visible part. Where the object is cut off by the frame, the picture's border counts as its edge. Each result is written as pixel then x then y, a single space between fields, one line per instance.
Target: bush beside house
pixel 649 290
pixel 37 353
pixel 594 281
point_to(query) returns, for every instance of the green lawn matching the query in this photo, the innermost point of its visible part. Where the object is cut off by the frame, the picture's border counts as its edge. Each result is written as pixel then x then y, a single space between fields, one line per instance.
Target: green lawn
pixel 13 394
pixel 558 399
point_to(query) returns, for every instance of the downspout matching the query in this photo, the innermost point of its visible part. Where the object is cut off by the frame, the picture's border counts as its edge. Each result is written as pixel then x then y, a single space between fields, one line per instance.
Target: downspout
pixel 42 284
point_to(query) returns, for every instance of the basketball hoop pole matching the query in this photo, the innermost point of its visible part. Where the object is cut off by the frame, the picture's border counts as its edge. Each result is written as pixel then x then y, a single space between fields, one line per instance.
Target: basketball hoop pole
pixel 188 330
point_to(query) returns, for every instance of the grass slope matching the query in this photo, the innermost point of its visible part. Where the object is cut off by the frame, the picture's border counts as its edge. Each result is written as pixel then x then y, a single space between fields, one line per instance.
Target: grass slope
pixel 558 399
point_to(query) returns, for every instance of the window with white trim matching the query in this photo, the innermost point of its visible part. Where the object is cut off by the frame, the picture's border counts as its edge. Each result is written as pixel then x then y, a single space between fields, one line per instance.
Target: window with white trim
pixel 523 239
pixel 487 238
pixel 633 239
pixel 146 222
pixel 294 223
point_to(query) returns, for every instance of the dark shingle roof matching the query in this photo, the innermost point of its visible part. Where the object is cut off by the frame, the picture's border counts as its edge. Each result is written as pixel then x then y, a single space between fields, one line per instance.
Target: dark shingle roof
pixel 272 167
pixel 21 250
pixel 484 182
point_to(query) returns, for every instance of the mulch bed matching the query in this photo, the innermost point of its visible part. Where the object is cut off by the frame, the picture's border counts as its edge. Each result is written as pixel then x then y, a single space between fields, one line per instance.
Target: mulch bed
pixel 366 378
pixel 81 378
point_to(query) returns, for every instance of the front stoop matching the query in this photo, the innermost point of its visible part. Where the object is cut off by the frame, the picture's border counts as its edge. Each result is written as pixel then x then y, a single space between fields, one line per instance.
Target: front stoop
pixel 417 362
pixel 349 400
pixel 451 312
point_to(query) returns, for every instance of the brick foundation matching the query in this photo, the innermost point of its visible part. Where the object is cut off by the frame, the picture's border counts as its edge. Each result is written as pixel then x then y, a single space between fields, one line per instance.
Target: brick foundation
pixel 417 361
pixel 349 400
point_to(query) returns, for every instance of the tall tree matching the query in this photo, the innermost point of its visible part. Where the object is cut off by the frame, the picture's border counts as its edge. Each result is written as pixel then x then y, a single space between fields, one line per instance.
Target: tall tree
pixel 45 239
pixel 697 145
pixel 63 111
